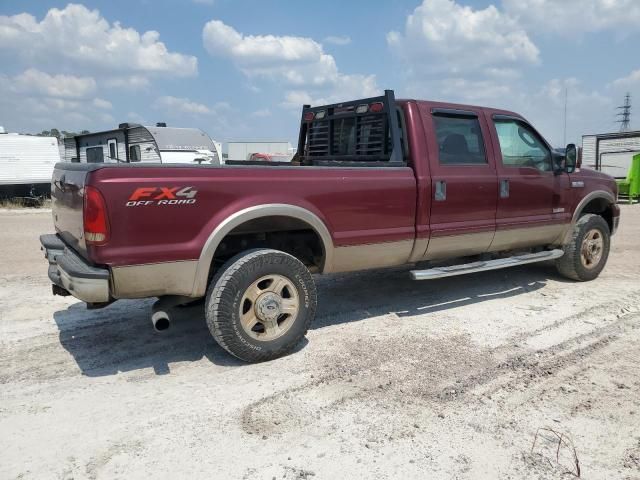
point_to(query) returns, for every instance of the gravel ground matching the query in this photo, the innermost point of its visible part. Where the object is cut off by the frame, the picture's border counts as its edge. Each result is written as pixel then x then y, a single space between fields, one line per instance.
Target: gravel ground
pixel 445 379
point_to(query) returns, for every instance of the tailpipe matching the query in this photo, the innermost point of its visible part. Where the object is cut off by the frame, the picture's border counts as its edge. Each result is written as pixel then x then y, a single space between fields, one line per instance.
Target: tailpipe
pixel 161 321
pixel 160 316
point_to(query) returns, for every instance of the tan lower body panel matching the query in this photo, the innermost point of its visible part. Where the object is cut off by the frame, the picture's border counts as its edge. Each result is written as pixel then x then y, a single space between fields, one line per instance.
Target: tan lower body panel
pixel 154 280
pixel 375 255
pixel 509 239
pixel 458 245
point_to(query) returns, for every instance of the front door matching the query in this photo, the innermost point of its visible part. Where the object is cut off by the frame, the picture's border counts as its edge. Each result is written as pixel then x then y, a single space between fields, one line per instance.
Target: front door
pixel 528 212
pixel 112 146
pixel 464 183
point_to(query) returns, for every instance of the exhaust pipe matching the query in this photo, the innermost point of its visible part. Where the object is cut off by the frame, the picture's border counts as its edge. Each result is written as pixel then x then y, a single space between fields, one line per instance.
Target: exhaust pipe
pixel 160 316
pixel 161 321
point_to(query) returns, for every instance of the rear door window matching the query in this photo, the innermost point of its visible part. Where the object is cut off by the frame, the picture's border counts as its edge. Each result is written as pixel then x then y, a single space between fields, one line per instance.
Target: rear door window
pixel 459 140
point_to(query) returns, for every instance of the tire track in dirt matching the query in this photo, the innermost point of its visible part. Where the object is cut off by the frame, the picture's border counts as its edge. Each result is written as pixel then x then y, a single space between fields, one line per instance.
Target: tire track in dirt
pixel 435 371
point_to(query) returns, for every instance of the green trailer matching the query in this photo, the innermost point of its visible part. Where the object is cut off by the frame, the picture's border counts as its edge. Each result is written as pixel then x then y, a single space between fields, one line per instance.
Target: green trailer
pixel 630 187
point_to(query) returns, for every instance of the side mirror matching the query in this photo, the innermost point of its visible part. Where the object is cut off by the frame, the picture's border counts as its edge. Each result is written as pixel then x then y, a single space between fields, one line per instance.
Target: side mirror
pixel 570 158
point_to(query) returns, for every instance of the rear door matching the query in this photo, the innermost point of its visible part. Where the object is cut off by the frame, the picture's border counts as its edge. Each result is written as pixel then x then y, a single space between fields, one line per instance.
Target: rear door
pixel 530 207
pixel 464 183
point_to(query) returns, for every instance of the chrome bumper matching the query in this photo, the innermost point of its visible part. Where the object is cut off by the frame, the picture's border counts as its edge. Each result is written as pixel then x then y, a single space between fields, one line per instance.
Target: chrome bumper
pixel 72 273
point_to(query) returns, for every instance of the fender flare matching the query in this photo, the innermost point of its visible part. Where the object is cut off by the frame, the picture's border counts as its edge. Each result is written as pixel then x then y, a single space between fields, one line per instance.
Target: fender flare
pixel 608 196
pixel 251 213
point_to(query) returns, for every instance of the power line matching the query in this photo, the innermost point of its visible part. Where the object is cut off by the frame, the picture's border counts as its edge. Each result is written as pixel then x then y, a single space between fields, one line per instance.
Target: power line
pixel 625 114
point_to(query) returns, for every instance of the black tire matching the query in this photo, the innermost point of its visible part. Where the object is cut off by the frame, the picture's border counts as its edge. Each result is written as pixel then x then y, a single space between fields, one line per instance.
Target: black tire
pixel 227 291
pixel 571 264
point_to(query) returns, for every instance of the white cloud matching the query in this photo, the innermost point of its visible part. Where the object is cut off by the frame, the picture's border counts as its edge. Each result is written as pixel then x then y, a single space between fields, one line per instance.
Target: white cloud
pixel 77 37
pixel 262 113
pixel 441 34
pixel 182 105
pixel 33 81
pixel 573 17
pixel 102 103
pixel 299 63
pixel 40 100
pixel 258 51
pixel 131 82
pixel 631 80
pixel 338 39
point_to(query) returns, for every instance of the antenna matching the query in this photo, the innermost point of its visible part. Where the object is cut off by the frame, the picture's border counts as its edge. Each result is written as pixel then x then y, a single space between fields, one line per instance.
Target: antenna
pixel 566 95
pixel 625 114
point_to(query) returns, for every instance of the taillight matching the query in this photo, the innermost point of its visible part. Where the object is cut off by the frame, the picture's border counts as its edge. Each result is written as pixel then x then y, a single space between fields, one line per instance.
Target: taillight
pixel 376 107
pixel 96 224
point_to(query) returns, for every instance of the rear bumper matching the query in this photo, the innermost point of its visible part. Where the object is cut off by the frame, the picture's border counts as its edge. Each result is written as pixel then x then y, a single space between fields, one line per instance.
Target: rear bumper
pixel 71 272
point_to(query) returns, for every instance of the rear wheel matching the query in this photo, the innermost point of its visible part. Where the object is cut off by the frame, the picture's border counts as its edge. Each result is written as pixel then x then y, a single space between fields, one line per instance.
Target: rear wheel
pixel 260 304
pixel 586 253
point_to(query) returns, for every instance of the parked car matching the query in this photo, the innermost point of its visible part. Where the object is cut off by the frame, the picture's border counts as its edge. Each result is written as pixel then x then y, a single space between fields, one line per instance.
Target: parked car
pixel 270 157
pixel 375 183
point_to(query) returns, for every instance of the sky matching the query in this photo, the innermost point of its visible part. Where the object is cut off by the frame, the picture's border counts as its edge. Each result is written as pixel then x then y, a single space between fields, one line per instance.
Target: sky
pixel 242 69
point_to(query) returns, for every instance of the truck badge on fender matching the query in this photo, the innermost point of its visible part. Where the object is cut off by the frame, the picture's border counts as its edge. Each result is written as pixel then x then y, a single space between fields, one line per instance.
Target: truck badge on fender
pixel 144 196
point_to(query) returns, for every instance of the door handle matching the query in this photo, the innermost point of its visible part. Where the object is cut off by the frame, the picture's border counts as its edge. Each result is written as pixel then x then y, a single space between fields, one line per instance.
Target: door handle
pixel 504 188
pixel 441 190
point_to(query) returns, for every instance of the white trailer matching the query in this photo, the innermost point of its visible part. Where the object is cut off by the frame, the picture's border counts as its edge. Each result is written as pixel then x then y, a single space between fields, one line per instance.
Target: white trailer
pixel 610 152
pixel 133 143
pixel 26 164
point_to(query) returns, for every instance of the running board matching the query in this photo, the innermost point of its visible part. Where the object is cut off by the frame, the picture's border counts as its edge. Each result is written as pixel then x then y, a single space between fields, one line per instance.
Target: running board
pixel 474 267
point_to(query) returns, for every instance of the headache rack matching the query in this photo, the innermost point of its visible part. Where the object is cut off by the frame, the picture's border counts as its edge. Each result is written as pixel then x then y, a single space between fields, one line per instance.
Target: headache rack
pixel 364 132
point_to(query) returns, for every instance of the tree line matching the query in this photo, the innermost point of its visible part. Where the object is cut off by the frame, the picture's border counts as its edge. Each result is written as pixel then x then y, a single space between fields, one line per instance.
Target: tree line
pixel 60 134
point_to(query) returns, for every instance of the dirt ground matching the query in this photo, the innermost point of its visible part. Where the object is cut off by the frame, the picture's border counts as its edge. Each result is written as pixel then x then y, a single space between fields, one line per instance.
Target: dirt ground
pixel 397 379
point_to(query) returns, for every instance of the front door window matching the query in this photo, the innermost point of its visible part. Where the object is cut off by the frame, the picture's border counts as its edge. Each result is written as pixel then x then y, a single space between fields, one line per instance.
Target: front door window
pixel 521 147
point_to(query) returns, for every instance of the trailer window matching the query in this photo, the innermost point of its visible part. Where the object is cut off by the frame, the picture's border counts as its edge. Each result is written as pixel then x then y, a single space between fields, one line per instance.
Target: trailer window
pixel 95 155
pixel 459 140
pixel 134 153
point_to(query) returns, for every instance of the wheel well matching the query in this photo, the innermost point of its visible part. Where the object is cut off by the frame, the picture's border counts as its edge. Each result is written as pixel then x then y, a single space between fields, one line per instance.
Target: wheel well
pixel 286 234
pixel 602 207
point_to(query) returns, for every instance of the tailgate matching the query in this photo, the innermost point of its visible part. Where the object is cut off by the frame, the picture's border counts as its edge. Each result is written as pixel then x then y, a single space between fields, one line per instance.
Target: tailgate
pixel 67 201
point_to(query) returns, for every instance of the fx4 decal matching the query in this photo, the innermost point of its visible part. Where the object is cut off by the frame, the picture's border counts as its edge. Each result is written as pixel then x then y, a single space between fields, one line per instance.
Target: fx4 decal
pixel 143 196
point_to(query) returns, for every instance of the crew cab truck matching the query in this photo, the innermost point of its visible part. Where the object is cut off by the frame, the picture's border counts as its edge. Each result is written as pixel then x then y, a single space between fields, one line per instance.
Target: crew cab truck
pixel 377 182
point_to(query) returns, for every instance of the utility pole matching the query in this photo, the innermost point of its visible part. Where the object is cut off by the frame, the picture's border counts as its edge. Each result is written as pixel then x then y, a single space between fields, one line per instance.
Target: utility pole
pixel 625 114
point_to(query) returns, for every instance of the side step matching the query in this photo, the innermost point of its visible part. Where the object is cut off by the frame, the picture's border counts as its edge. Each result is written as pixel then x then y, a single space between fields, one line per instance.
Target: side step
pixel 474 267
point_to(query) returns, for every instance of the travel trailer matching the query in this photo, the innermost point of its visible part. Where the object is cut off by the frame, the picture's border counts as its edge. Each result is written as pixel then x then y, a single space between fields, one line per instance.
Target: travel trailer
pixel 131 143
pixel 26 164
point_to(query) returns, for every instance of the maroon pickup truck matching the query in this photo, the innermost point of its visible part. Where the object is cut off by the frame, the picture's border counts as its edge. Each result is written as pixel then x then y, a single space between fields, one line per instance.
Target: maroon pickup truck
pixel 378 182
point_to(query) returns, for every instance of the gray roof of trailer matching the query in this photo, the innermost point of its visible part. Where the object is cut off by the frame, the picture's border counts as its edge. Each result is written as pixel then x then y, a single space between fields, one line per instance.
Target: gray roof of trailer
pixel 170 138
pixel 633 133
pixel 167 138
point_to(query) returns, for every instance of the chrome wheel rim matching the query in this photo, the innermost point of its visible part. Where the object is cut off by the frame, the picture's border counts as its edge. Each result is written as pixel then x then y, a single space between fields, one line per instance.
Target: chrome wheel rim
pixel 592 248
pixel 269 307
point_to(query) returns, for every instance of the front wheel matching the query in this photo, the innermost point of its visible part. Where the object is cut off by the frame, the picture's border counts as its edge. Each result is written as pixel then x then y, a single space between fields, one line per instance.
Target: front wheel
pixel 586 253
pixel 260 304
